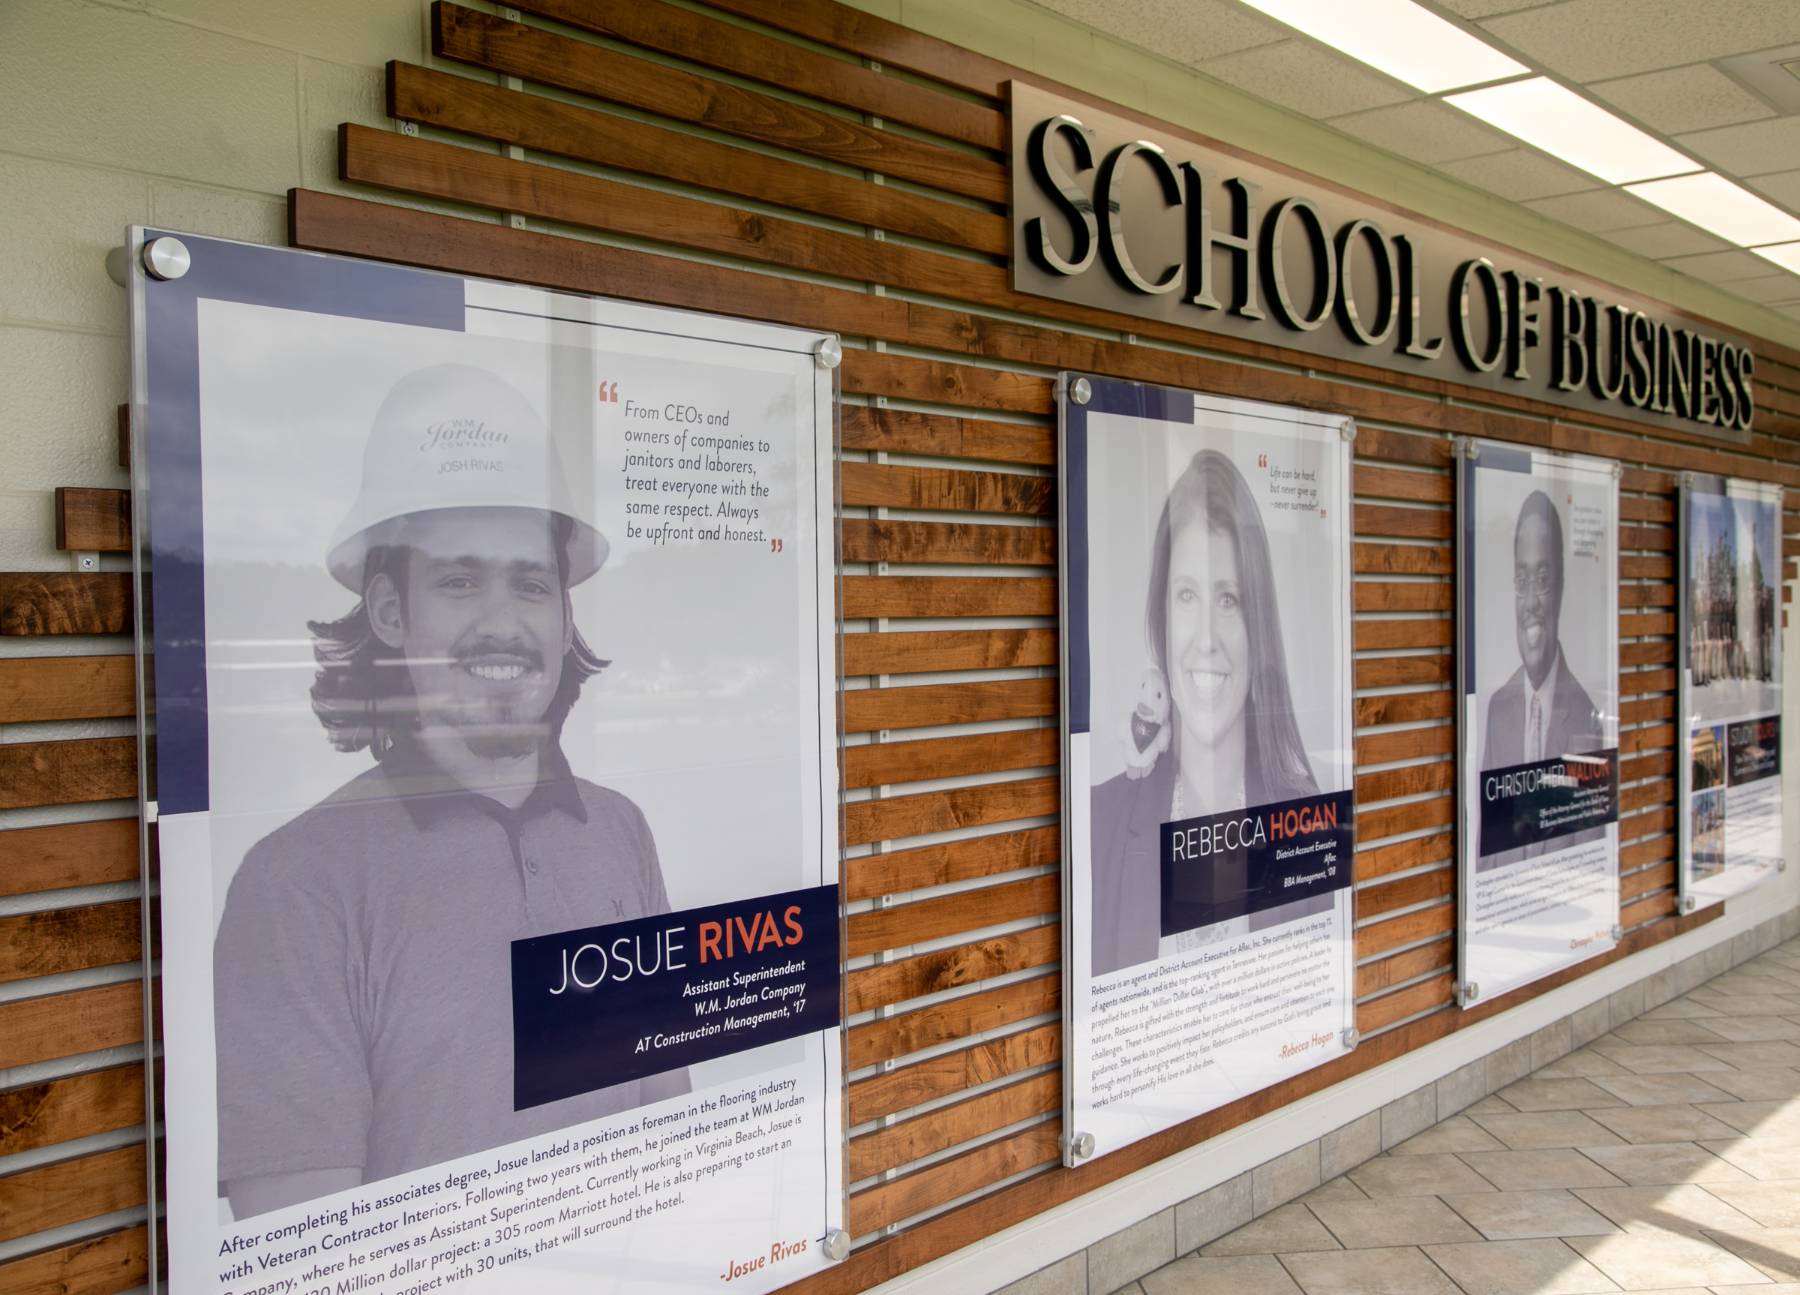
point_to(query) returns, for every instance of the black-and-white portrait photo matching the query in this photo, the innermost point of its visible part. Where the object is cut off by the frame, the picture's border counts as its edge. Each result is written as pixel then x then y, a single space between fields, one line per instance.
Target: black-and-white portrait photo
pixel 458 697
pixel 1210 826
pixel 1538 588
pixel 1540 631
pixel 1213 667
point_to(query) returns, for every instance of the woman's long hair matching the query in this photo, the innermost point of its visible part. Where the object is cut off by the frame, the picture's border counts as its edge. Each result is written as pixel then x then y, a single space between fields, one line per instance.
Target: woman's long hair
pixel 363 693
pixel 1211 491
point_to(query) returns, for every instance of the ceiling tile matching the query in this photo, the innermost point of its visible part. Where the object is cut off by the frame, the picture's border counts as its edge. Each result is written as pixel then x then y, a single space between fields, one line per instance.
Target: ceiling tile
pixel 1423 130
pixel 1720 267
pixel 1671 238
pixel 1783 187
pixel 1520 175
pixel 1770 287
pixel 1684 98
pixel 1307 78
pixel 1589 40
pixel 1756 148
pixel 1188 31
pixel 1601 210
pixel 1486 8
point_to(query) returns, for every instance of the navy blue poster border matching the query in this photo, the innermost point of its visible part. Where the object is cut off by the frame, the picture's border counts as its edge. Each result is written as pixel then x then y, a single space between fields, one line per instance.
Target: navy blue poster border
pixel 169 435
pixel 1107 396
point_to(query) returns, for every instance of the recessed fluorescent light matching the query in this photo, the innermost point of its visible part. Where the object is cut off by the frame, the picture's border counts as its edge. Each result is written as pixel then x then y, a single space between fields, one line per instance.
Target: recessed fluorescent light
pixel 1563 124
pixel 1411 44
pixel 1786 255
pixel 1721 207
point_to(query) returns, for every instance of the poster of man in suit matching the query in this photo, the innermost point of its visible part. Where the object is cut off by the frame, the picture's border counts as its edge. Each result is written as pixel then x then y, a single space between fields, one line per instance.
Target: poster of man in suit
pixel 1538 612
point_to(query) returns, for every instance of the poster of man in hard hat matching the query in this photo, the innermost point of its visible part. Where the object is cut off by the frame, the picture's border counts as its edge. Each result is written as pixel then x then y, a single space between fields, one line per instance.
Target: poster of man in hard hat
pixel 496 782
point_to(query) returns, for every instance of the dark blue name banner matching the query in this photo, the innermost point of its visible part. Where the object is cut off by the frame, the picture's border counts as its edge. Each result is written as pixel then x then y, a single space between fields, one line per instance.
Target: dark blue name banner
pixel 1755 747
pixel 608 1004
pixel 1226 865
pixel 1529 804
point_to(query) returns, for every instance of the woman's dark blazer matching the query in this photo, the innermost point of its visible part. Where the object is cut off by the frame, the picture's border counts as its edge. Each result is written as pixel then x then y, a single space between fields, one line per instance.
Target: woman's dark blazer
pixel 1125 816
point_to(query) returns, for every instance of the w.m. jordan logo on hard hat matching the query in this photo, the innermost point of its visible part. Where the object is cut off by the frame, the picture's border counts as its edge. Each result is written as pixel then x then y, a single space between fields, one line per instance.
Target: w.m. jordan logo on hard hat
pixel 457 436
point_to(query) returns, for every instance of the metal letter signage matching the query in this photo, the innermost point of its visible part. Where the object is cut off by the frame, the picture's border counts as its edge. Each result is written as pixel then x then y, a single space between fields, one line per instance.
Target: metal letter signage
pixel 1111 215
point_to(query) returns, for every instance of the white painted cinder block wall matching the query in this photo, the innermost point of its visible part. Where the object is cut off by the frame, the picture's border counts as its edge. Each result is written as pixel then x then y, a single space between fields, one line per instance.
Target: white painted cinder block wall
pixel 199 115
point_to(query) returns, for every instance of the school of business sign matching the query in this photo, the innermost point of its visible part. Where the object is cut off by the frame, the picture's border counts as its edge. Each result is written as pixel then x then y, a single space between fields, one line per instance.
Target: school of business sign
pixel 1110 215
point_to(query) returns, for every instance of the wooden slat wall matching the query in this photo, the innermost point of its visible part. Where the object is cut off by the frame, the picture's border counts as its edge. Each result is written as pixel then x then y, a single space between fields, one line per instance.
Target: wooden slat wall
pixel 811 164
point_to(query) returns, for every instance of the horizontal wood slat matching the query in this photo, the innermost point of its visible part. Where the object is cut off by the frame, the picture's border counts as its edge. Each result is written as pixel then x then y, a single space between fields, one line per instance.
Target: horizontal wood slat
pixel 934 919
pixel 949 1126
pixel 921 705
pixel 737 50
pixel 44 602
pixel 888 983
pixel 532 121
pixel 96 1266
pixel 904 431
pixel 90 520
pixel 879 763
pixel 68 854
pixel 921 651
pixel 71 1023
pixel 35 689
pixel 955 1018
pixel 67 1191
pixel 953 1072
pixel 74 1106
pixel 67 773
pixel 898 486
pixel 940 811
pixel 914 1193
pixel 55 940
pixel 514 49
pixel 900 597
pixel 895 871
pixel 947 542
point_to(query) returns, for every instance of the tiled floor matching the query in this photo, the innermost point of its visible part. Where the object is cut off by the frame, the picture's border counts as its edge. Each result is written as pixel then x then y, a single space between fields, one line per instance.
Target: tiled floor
pixel 1663 1157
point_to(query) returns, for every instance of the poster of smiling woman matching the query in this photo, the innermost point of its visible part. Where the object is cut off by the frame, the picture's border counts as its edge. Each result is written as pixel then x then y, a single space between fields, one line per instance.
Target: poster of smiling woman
pixel 496 783
pixel 1538 619
pixel 1208 804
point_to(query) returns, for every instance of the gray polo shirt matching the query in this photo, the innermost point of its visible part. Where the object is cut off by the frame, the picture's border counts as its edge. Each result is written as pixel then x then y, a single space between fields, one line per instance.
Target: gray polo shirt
pixel 362 971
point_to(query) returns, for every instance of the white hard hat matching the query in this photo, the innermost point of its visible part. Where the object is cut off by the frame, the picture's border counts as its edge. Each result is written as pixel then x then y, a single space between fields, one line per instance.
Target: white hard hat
pixel 455 436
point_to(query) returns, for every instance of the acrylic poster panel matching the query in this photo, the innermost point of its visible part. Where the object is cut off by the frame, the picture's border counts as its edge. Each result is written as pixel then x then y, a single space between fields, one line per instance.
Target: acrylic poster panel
pixel 1209 810
pixel 1730 772
pixel 1538 571
pixel 496 733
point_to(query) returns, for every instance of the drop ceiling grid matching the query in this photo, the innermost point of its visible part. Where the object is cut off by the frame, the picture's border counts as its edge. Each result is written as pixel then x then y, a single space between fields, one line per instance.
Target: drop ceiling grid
pixel 1652 62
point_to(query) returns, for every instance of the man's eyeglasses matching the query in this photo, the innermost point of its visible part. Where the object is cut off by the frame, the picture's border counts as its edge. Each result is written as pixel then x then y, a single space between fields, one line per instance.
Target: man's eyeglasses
pixel 1539 582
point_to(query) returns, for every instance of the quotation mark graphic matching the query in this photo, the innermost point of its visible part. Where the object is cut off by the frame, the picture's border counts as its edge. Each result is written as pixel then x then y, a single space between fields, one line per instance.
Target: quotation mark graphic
pixel 1262 460
pixel 609 393
pixel 774 546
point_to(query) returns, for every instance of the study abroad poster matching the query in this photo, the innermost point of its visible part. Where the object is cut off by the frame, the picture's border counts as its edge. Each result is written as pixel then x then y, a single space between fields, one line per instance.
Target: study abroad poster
pixel 1209 813
pixel 497 805
pixel 1538 620
pixel 1730 600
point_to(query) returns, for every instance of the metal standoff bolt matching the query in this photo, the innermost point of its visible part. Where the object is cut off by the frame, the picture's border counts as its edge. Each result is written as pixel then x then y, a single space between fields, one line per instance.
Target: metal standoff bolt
pixel 1348 433
pixel 836 1245
pixel 1468 992
pixel 1351 1036
pixel 167 258
pixel 1689 903
pixel 1080 1146
pixel 1618 470
pixel 1471 449
pixel 1081 391
pixel 829 353
pixel 1618 933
